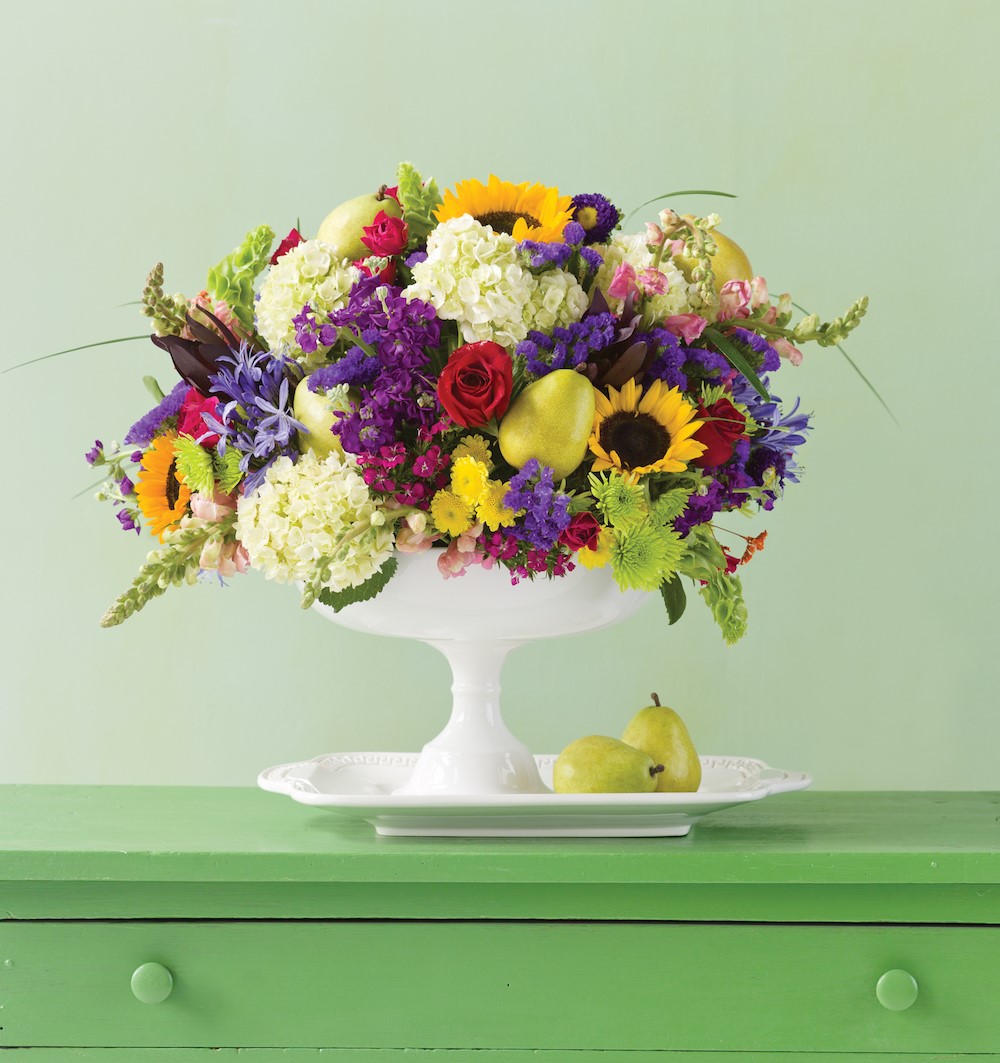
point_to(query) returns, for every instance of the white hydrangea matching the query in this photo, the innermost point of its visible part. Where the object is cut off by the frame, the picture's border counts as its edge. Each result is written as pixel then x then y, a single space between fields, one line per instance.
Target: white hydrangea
pixel 309 273
pixel 475 277
pixel 301 511
pixel 632 249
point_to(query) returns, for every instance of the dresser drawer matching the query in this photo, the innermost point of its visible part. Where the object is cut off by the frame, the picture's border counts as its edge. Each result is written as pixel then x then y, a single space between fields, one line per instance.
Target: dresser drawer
pixel 500 985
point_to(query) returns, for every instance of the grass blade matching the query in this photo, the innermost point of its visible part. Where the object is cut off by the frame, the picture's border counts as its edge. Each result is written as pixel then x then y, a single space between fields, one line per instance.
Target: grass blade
pixel 734 356
pixel 683 192
pixel 70 350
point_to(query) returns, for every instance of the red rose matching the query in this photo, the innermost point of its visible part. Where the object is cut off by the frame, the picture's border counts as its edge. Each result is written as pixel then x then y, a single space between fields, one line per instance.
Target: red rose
pixel 385 236
pixel 582 532
pixel 724 424
pixel 293 239
pixel 190 421
pixel 475 384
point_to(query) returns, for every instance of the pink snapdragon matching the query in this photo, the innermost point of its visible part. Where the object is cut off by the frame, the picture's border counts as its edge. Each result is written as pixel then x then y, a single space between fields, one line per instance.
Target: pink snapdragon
pixel 652 281
pixel 734 300
pixel 787 350
pixel 623 284
pixel 463 552
pixel 687 326
pixel 654 234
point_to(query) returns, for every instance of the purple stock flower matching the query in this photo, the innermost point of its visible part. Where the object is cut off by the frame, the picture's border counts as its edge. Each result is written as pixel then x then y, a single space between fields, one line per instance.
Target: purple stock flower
pixel 142 432
pixel 127 521
pixel 95 453
pixel 126 486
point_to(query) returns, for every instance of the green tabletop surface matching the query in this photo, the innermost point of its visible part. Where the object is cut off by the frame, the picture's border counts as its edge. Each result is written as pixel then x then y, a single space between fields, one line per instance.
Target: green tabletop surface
pixel 98 851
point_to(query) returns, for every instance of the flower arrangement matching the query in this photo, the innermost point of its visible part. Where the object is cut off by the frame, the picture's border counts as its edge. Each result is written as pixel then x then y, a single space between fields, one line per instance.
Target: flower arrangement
pixel 498 373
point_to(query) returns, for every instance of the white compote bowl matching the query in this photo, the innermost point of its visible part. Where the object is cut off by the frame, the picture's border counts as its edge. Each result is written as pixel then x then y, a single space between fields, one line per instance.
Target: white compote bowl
pixel 475 620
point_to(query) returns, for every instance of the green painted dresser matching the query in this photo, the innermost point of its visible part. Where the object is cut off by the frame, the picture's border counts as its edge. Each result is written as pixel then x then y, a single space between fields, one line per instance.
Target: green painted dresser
pixel 195 924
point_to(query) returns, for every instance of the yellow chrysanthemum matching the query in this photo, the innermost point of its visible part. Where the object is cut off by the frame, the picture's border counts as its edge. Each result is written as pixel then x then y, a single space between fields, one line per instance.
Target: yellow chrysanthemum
pixel 527 212
pixel 160 489
pixel 600 556
pixel 491 511
pixel 468 478
pixel 474 447
pixel 636 433
pixel 450 514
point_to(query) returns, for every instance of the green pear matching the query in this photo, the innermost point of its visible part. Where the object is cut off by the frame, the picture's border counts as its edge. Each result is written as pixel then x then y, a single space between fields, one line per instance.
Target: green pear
pixel 344 226
pixel 601 765
pixel 315 410
pixel 551 420
pixel 660 733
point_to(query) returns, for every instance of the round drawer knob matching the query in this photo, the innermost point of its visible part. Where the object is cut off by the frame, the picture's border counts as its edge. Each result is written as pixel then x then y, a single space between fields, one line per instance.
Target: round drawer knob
pixel 897 990
pixel 152 983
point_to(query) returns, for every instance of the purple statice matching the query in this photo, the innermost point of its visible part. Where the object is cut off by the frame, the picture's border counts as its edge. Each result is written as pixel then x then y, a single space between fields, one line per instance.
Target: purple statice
pixel 255 415
pixel 768 360
pixel 574 233
pixel 543 255
pixel 597 215
pixel 592 257
pixel 142 432
pixel 355 369
pixel 546 510
pixel 397 393
pixel 569 346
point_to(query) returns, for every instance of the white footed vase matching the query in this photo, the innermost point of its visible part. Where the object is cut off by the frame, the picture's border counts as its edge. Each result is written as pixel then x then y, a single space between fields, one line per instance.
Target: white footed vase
pixel 475 620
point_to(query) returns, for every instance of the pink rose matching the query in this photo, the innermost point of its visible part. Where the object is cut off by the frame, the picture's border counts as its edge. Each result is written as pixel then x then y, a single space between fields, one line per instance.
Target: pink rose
pixel 190 420
pixel 385 236
pixel 687 326
pixel 623 284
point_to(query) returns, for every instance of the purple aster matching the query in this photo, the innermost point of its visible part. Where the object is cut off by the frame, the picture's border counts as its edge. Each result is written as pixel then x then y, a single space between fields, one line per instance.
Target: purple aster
pixel 95 453
pixel 597 215
pixel 256 415
pixel 142 432
pixel 546 510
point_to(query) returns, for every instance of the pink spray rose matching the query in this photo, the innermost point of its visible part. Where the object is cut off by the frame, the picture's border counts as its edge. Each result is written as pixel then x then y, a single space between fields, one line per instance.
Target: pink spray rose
pixel 386 236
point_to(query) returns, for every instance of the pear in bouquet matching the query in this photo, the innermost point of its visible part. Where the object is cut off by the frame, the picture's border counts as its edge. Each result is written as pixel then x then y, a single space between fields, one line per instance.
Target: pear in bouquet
pixel 661 734
pixel 551 420
pixel 315 411
pixel 729 263
pixel 343 228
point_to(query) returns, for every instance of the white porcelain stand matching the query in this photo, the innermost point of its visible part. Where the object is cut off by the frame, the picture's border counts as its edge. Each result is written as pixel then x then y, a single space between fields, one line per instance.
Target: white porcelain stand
pixel 475 620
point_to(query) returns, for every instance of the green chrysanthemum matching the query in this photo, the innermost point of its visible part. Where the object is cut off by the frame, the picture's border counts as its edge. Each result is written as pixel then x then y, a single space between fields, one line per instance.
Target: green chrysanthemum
pixel 620 502
pixel 643 556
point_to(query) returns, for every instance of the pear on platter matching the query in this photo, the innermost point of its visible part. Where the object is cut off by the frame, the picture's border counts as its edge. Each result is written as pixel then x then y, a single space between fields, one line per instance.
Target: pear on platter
pixel 660 733
pixel 551 420
pixel 598 764
pixel 344 226
pixel 315 410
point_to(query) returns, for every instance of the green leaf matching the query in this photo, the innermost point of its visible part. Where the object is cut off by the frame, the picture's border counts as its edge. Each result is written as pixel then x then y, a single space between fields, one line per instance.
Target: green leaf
pixel 684 192
pixel 857 369
pixel 735 358
pixel 153 388
pixel 70 350
pixel 337 600
pixel 674 598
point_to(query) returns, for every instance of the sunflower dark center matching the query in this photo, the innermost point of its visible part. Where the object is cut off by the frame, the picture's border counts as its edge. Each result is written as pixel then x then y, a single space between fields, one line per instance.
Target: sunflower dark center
pixel 502 221
pixel 172 487
pixel 637 438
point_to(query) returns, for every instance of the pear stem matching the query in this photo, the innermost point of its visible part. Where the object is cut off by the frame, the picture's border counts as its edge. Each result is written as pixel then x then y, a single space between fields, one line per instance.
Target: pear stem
pixel 656 699
pixel 656 770
pixel 381 193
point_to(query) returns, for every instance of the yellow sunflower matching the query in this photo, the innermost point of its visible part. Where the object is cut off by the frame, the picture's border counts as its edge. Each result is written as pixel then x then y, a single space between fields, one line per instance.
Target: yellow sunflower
pixel 636 433
pixel 160 490
pixel 527 212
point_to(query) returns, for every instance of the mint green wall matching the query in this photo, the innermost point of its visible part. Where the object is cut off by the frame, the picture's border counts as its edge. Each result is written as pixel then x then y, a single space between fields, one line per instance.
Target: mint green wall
pixel 862 141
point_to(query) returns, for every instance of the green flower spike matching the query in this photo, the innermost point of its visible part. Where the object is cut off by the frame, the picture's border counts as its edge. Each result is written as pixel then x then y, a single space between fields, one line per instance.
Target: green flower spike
pixel 232 279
